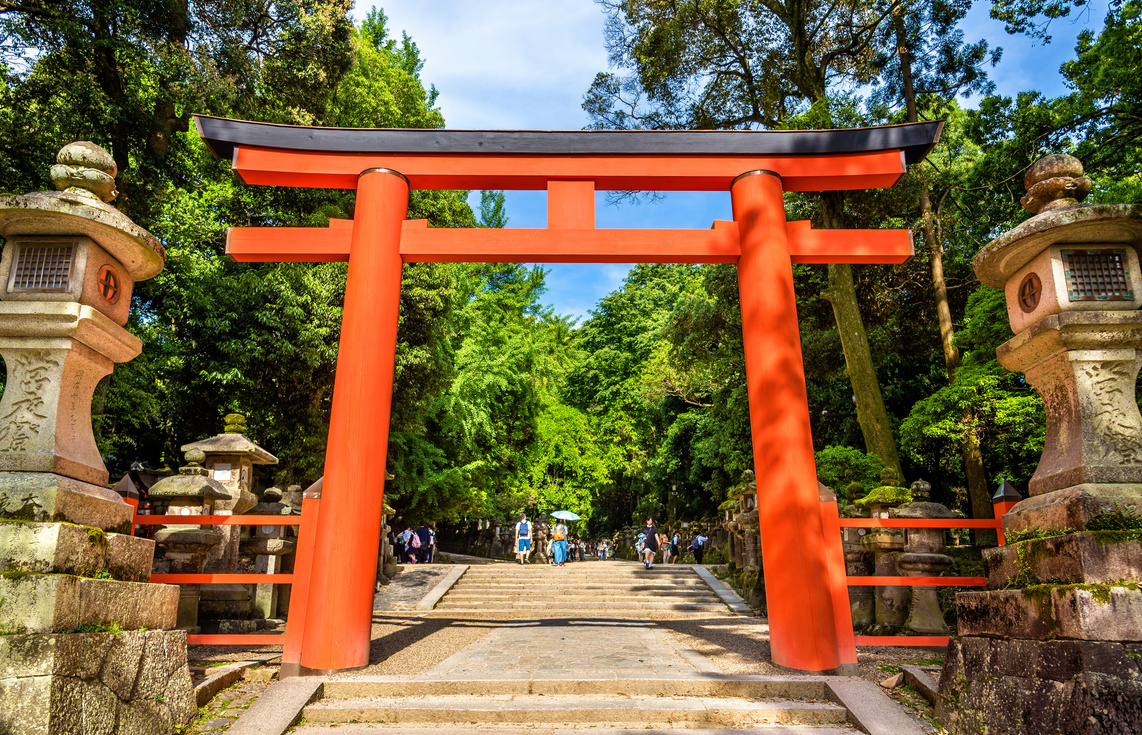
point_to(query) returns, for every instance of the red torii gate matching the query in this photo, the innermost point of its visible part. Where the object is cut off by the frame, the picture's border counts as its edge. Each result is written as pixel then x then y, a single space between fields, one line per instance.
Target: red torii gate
pixel 756 167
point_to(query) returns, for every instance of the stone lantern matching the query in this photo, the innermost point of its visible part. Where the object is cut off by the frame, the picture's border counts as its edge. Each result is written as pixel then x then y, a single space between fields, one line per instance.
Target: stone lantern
pixel 230 460
pixel 1049 645
pixel 922 558
pixel 66 276
pixel 891 603
pixel 66 273
pixel 189 493
pixel 1073 288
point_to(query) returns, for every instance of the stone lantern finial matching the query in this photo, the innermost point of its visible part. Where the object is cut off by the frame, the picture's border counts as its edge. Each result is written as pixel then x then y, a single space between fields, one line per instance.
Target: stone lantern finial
pixel 234 423
pixel 1054 182
pixel 85 169
pixel 193 466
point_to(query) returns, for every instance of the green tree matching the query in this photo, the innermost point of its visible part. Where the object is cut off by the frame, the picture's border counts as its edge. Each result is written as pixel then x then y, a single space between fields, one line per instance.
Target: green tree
pixel 716 64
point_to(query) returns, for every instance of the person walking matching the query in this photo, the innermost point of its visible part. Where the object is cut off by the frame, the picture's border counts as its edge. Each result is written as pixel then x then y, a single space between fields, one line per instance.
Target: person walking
pixel 522 539
pixel 698 546
pixel 649 543
pixel 675 547
pixel 423 536
pixel 431 544
pixel 559 543
pixel 406 540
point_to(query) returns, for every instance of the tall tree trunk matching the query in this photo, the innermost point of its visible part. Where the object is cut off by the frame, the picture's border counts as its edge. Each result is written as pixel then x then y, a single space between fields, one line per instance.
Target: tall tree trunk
pixel 841 294
pixel 973 457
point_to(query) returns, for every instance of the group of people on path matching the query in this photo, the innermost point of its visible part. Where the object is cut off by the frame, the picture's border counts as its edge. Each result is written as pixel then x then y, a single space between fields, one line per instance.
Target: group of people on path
pixel 649 543
pixel 415 547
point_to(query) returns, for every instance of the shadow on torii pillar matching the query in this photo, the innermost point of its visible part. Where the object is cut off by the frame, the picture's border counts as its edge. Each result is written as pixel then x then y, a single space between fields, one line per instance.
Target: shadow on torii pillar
pixel 756 167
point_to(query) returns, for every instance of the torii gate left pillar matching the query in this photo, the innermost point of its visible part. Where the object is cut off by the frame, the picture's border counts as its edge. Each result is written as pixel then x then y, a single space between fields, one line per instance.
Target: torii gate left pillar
pixel 337 635
pixel 757 167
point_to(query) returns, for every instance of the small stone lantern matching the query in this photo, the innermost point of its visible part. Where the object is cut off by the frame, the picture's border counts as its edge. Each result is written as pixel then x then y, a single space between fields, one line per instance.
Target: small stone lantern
pixel 230 460
pixel 922 557
pixel 269 545
pixel 891 603
pixel 190 493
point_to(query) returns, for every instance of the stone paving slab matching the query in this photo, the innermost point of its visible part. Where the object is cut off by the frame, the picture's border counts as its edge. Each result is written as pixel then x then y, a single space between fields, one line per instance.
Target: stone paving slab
pixel 583 648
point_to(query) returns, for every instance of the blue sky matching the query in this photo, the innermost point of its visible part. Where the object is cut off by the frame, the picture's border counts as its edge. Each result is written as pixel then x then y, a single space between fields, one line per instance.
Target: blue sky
pixel 526 64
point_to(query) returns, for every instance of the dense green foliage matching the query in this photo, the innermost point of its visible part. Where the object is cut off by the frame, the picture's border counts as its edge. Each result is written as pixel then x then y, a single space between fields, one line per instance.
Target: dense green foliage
pixel 499 403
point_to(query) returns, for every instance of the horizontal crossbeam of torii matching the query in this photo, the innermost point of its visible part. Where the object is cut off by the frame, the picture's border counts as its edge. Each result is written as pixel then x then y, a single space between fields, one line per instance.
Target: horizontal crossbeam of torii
pixel 756 167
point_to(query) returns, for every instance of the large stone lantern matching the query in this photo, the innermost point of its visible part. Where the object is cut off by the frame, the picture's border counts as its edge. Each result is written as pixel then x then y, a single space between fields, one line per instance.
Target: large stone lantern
pixel 1073 286
pixel 1052 644
pixel 69 562
pixel 66 275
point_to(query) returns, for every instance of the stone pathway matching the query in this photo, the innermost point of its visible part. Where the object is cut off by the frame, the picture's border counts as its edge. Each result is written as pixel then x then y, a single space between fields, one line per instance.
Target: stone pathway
pixel 409 586
pixel 594 648
pixel 226 707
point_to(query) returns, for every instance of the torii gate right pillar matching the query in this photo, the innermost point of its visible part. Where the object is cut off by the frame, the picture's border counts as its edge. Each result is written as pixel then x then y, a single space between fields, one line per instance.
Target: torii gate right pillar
pixel 803 633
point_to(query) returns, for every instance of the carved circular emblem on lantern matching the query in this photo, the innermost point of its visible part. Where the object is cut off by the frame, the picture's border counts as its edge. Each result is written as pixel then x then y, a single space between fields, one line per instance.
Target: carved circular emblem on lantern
pixel 1029 292
pixel 109 287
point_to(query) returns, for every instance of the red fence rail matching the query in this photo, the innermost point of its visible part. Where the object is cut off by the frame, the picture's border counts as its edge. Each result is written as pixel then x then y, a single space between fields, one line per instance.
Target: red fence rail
pixel 839 580
pixel 298 601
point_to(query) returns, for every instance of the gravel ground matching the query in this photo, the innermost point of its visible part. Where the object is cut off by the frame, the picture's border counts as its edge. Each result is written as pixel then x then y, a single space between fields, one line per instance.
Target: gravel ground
pixel 741 646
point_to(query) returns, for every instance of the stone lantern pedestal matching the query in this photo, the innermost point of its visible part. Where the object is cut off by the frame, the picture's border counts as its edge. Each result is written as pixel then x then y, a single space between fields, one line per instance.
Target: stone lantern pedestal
pixel 1053 644
pixel 922 558
pixel 69 563
pixel 269 545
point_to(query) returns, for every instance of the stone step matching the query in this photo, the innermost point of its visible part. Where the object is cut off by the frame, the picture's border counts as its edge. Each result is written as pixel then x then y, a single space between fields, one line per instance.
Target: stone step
pixel 608 596
pixel 626 605
pixel 601 579
pixel 688 592
pixel 570 729
pixel 725 685
pixel 570 708
pixel 643 576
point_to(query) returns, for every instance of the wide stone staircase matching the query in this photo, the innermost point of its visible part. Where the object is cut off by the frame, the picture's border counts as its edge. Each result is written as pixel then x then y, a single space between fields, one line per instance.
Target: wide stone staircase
pixel 716 704
pixel 593 588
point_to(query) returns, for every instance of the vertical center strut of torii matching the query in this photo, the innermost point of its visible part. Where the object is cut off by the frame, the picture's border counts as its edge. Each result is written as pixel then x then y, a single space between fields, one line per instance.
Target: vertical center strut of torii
pixel 756 167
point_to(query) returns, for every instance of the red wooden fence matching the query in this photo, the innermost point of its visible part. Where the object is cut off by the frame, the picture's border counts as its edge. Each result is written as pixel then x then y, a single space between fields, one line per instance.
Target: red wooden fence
pixel 832 524
pixel 299 595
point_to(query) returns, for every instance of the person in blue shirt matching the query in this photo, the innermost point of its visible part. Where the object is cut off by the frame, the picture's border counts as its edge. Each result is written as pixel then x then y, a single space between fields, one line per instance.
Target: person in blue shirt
pixel 522 539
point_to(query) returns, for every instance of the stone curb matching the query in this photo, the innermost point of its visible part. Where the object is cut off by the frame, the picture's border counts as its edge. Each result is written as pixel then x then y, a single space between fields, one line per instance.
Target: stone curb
pixel 871 709
pixel 727 595
pixel 429 601
pixel 279 707
pixel 921 681
pixel 224 676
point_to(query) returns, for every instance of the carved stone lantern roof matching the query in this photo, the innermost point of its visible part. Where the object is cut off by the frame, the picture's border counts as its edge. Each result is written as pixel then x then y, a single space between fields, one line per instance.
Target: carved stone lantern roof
pixel 1055 187
pixel 232 440
pixel 192 481
pixel 86 174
